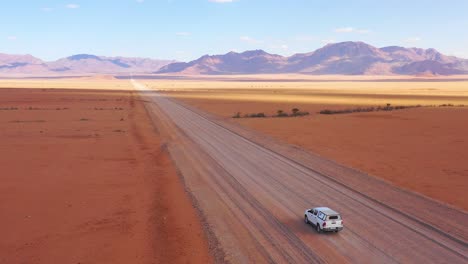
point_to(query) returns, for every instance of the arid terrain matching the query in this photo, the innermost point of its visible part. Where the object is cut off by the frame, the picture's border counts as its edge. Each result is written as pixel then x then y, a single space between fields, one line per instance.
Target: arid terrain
pixel 157 171
pixel 85 178
pixel 421 149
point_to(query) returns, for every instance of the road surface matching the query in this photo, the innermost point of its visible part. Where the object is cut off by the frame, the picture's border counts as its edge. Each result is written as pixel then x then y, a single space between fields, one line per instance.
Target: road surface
pixel 252 199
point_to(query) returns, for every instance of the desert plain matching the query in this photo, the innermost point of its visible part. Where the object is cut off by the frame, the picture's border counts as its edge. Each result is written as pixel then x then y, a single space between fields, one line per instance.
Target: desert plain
pixel 86 176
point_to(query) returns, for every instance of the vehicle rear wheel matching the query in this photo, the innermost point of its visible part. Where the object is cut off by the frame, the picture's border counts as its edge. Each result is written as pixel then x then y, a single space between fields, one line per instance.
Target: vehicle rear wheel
pixel 306 220
pixel 318 228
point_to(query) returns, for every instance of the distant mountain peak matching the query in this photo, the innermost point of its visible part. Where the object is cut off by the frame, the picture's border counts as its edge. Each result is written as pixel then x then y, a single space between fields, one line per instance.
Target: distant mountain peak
pixel 349 48
pixel 84 57
pixel 252 53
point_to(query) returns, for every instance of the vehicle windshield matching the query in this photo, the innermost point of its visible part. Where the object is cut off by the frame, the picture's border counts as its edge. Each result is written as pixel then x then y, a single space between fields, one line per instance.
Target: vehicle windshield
pixel 333 217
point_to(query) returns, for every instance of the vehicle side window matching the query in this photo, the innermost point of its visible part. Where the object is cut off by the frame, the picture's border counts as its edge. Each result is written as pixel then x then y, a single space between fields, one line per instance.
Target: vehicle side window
pixel 315 212
pixel 321 216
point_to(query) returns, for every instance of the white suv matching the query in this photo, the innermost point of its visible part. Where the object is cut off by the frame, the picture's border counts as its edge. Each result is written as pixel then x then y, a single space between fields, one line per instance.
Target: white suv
pixel 324 219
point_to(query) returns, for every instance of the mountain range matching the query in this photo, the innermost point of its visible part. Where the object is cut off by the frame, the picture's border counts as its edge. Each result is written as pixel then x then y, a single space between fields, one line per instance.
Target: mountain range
pixel 345 58
pixel 77 64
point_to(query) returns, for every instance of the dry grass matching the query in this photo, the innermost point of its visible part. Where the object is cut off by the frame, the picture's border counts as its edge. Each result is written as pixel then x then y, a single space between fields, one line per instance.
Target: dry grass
pixel 77 83
pixel 325 93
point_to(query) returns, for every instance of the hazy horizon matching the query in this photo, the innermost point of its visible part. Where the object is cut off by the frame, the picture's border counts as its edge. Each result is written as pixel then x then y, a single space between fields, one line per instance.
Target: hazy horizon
pixel 186 30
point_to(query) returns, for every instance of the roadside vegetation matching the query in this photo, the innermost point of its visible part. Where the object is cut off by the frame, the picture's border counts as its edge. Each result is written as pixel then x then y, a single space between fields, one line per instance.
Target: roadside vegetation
pixel 295 112
pixel 387 108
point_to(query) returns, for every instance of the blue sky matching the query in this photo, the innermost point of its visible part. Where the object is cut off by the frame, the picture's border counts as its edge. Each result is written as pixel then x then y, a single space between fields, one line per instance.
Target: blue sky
pixel 187 29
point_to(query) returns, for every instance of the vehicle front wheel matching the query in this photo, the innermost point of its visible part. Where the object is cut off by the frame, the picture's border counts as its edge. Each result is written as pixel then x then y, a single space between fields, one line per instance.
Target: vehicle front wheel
pixel 306 220
pixel 318 228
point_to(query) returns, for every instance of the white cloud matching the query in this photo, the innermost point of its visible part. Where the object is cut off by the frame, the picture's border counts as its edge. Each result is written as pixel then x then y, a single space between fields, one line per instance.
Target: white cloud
pixel 47 9
pixel 221 1
pixel 328 41
pixel 250 40
pixel 412 40
pixel 12 38
pixel 72 6
pixel 460 54
pixel 183 34
pixel 352 30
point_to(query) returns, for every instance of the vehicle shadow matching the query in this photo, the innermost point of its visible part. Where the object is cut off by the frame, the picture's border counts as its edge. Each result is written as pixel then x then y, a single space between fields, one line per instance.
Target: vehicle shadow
pixel 298 225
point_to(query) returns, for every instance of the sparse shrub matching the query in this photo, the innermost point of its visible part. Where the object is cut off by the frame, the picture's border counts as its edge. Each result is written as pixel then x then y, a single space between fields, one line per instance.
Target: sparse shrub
pixel 281 113
pixel 303 113
pixel 295 111
pixel 388 107
pixel 326 112
pixel 9 108
pixel 237 115
pixel 84 119
pixel 257 115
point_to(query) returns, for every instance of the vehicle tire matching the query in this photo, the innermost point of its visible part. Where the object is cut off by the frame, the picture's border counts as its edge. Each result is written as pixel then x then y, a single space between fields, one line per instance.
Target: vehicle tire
pixel 306 220
pixel 318 228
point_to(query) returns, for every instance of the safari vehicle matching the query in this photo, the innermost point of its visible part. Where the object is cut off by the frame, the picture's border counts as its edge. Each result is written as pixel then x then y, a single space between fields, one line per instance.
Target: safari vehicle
pixel 324 219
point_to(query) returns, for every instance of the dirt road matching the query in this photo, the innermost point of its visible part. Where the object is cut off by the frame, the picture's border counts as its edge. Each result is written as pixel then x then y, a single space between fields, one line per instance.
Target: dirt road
pixel 253 198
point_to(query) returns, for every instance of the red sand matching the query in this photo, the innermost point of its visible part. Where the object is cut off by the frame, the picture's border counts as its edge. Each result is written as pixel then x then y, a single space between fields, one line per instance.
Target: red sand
pixel 85 180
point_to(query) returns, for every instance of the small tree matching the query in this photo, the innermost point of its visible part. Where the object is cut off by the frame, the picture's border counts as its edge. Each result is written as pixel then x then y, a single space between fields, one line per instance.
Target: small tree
pixel 295 111
pixel 281 113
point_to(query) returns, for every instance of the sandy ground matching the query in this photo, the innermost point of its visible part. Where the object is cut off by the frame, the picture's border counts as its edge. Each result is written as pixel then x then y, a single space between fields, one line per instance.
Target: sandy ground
pixel 424 149
pixel 86 179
